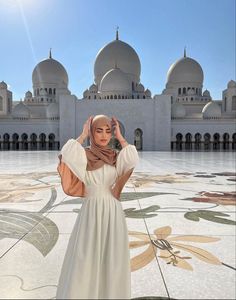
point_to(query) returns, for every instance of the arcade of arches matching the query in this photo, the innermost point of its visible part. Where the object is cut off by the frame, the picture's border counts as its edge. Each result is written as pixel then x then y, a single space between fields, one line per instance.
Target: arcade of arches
pixel 48 142
pixel 189 142
pixel 204 142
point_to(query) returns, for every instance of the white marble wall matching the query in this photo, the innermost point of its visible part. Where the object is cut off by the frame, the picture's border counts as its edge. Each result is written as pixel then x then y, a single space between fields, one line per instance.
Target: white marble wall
pixel 152 116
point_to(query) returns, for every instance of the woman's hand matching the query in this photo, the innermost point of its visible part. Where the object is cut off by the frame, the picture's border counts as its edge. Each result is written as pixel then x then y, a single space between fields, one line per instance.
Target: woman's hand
pixel 86 127
pixel 117 132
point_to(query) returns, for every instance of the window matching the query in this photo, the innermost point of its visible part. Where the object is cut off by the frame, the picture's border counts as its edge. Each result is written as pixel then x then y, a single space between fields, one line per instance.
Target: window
pixel 179 91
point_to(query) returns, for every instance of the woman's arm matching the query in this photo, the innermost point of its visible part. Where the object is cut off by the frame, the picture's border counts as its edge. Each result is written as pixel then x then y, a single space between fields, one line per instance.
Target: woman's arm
pixel 123 142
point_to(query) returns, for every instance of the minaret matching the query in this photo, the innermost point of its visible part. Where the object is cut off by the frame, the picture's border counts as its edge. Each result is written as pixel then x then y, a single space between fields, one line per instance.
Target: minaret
pixel 185 51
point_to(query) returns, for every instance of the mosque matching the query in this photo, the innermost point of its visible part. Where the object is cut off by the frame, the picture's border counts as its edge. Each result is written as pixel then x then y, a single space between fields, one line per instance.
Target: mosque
pixel 182 118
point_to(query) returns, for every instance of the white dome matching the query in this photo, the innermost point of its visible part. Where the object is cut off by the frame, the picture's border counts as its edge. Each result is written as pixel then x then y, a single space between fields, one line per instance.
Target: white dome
pixel 115 81
pixel 231 84
pixel 85 94
pixel 21 111
pixel 178 110
pixel 49 71
pixel 206 93
pixel 120 54
pixel 211 110
pixel 185 70
pixel 93 88
pixel 3 85
pixel 148 93
pixel 140 88
pixel 53 110
pixel 28 94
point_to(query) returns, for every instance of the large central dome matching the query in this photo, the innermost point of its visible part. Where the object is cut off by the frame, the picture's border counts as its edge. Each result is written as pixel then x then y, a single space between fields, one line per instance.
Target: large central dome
pixel 49 71
pixel 117 54
pixel 185 70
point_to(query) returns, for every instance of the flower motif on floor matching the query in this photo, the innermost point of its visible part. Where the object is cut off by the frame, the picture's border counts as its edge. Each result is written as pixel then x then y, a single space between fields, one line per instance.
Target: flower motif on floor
pixel 221 198
pixel 165 245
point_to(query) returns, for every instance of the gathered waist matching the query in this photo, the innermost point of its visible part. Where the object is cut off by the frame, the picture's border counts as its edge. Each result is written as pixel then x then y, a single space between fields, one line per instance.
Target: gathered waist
pixel 96 189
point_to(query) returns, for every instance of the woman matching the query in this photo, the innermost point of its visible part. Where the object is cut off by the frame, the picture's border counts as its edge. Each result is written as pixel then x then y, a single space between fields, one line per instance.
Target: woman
pixel 97 260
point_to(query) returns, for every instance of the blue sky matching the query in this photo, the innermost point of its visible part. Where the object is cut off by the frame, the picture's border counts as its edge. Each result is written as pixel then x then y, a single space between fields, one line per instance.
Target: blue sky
pixel 76 30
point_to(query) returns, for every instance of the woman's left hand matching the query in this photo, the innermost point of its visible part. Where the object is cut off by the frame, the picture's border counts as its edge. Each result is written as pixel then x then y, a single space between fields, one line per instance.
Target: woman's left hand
pixel 116 125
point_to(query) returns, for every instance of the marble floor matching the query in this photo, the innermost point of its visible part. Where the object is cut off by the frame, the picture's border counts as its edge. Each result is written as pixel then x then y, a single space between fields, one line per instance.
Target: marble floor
pixel 180 212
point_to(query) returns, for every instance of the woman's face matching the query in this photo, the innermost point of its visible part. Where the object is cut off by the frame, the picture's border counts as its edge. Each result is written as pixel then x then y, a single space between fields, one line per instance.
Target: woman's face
pixel 102 135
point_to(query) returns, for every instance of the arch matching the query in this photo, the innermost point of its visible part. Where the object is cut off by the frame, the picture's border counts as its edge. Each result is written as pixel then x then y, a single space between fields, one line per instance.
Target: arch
pixel 225 141
pixel 234 141
pixel 6 141
pixel 184 91
pixel 207 141
pixel 138 139
pixel 197 144
pixel 24 139
pixel 15 141
pixel 107 97
pixel 115 97
pixel 42 141
pixel 144 97
pixel 216 141
pixel 111 97
pixel 188 141
pixel 119 97
pixel 33 141
pixel 51 141
pixel 179 142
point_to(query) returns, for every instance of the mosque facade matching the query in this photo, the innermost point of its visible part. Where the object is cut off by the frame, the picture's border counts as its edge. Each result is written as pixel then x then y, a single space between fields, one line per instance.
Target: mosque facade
pixel 182 118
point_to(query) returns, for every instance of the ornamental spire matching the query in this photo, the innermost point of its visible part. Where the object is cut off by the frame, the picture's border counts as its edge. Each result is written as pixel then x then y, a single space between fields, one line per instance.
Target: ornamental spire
pixel 185 51
pixel 50 53
pixel 117 33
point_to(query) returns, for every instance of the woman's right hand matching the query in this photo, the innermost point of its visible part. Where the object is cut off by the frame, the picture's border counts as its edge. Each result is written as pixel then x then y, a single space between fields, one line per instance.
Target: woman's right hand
pixel 86 127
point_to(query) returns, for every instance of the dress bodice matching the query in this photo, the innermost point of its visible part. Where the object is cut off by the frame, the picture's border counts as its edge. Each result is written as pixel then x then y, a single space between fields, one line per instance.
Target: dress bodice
pixel 74 155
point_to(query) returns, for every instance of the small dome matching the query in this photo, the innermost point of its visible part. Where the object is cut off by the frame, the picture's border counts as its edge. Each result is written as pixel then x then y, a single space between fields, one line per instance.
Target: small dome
pixel 28 94
pixel 185 70
pixel 3 85
pixel 178 110
pixel 211 110
pixel 49 71
pixel 85 94
pixel 117 53
pixel 115 81
pixel 21 111
pixel 140 88
pixel 53 110
pixel 231 84
pixel 148 93
pixel 206 93
pixel 93 88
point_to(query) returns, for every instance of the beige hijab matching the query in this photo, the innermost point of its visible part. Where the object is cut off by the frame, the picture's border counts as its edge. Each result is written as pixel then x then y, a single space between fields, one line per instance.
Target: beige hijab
pixel 97 156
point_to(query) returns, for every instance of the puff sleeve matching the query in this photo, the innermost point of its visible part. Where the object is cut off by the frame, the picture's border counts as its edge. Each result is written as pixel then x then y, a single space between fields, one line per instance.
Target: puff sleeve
pixel 127 158
pixel 74 155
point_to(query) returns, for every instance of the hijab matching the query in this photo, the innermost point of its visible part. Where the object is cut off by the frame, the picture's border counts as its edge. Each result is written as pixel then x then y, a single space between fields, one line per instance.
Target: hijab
pixel 97 156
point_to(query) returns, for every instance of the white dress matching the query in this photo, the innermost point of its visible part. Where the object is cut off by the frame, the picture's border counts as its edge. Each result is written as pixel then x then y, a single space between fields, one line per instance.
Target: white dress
pixel 97 260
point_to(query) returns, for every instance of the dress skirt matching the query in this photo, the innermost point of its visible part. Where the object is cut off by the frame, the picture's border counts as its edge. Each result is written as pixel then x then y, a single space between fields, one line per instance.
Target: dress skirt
pixel 97 260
